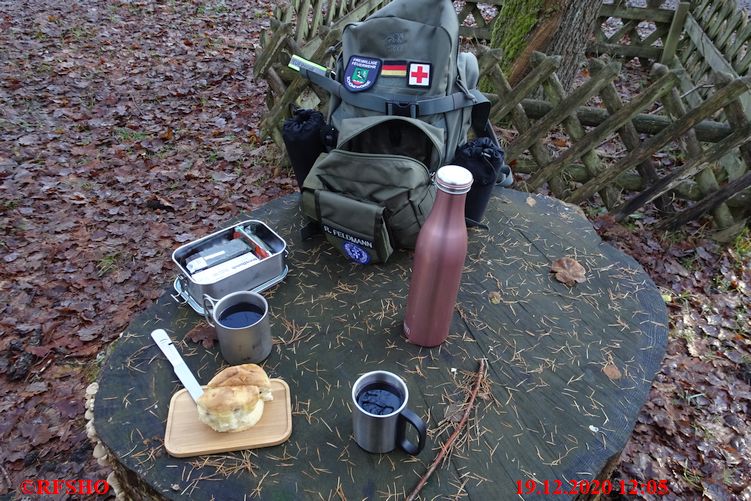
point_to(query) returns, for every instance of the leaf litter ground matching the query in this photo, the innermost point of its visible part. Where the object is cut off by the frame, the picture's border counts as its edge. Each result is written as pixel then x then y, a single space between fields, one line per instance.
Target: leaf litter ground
pixel 128 128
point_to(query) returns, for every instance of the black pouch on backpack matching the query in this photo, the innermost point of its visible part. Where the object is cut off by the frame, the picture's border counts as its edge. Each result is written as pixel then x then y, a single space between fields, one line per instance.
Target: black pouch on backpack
pixel 302 134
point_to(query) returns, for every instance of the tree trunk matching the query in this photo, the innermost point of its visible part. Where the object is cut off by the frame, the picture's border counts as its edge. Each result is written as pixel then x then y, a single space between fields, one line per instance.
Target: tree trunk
pixel 561 27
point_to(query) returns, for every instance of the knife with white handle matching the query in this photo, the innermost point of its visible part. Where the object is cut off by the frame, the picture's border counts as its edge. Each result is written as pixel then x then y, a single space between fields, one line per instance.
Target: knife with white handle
pixel 186 377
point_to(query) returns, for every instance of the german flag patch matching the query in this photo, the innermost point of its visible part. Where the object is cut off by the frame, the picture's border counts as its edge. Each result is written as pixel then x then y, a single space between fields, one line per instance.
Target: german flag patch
pixel 394 69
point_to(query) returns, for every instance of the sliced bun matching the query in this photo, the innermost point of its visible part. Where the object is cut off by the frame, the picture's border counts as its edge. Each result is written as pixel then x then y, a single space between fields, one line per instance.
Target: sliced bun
pixel 234 398
pixel 234 408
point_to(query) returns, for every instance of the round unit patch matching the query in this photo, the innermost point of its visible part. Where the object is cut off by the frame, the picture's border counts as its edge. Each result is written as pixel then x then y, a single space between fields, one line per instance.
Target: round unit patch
pixel 356 253
pixel 361 73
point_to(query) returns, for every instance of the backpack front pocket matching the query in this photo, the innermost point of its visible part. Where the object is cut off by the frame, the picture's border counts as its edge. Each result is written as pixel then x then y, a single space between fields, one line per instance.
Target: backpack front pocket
pixel 400 185
pixel 356 228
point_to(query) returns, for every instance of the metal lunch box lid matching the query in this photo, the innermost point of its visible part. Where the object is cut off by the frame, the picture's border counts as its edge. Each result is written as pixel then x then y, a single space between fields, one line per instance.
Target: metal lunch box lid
pixel 454 179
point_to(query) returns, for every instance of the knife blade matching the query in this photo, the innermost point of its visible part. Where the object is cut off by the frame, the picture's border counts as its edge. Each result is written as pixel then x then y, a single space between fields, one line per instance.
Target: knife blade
pixel 186 377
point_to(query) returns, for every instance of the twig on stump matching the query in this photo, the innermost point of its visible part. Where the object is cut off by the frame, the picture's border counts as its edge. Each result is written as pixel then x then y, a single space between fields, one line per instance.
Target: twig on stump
pixel 447 445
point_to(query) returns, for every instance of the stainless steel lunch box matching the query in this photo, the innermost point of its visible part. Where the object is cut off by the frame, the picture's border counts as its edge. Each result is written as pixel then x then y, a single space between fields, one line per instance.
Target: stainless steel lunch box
pixel 258 277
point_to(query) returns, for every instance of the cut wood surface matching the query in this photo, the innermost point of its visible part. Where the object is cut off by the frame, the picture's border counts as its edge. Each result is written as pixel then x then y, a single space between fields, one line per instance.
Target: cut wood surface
pixel 186 436
pixel 568 367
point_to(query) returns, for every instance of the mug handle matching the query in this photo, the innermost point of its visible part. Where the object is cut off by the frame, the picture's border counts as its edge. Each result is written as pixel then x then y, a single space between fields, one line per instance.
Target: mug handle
pixel 208 305
pixel 407 416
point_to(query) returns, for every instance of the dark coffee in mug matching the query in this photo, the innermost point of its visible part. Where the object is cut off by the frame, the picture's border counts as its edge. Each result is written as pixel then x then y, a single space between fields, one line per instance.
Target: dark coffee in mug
pixel 380 415
pixel 241 321
pixel 240 315
pixel 379 399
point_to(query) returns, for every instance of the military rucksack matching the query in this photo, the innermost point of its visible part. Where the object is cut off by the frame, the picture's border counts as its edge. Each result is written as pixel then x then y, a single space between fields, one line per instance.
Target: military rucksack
pixel 403 99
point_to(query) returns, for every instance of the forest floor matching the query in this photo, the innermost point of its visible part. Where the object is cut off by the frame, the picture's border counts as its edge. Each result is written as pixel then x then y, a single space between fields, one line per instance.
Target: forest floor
pixel 130 127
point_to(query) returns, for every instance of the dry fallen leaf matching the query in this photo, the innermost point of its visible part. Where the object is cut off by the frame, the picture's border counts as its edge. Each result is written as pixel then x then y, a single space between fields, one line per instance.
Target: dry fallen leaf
pixel 168 134
pixel 568 271
pixel 232 152
pixel 531 201
pixel 202 333
pixel 157 202
pixel 28 140
pixel 495 297
pixel 611 371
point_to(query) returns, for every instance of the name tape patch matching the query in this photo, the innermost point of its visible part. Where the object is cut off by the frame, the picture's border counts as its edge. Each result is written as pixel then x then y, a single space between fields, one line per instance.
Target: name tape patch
pixel 354 247
pixel 346 236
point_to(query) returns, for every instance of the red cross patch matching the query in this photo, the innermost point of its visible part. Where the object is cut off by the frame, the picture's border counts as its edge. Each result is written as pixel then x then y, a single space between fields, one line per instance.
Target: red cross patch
pixel 419 75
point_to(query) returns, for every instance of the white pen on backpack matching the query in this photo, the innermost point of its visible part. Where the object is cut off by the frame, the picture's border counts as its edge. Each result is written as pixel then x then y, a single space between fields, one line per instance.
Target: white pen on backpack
pixel 182 371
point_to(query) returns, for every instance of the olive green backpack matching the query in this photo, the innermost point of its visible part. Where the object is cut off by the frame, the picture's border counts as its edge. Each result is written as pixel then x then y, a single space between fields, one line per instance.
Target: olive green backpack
pixel 403 100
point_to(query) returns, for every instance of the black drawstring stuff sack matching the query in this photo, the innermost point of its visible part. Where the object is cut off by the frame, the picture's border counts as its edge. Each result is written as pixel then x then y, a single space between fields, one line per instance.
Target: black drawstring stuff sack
pixel 305 137
pixel 484 159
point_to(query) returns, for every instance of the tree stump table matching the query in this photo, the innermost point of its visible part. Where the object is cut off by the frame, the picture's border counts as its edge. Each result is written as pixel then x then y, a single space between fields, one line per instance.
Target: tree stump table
pixel 568 369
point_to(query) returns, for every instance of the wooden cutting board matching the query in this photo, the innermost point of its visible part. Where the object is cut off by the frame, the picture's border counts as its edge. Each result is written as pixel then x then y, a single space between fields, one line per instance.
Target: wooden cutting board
pixel 186 436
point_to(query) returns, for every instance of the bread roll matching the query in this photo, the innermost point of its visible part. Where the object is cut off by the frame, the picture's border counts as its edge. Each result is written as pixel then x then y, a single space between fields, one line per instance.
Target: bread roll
pixel 234 399
pixel 244 375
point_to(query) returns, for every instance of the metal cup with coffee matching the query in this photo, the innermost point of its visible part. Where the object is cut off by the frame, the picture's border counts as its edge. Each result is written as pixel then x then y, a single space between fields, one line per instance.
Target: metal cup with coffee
pixel 241 321
pixel 380 416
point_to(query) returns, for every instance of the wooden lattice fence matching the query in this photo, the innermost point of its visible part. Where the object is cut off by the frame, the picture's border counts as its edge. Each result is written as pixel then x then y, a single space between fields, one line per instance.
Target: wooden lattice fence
pixel 708 44
pixel 630 39
pixel 695 101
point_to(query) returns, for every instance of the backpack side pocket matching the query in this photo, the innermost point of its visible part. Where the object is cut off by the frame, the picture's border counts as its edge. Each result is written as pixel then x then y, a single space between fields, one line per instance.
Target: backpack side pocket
pixel 406 218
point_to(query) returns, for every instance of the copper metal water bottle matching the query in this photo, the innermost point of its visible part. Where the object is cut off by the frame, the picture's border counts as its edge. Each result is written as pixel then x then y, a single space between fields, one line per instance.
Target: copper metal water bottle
pixel 439 260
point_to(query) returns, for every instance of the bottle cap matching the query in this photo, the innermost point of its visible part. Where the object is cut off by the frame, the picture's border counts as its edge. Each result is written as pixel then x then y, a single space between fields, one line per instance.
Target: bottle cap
pixel 454 179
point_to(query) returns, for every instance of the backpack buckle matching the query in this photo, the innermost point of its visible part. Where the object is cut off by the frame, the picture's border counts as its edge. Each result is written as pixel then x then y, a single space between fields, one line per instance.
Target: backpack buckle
pixel 402 109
